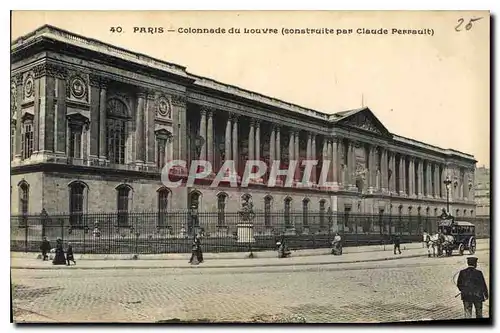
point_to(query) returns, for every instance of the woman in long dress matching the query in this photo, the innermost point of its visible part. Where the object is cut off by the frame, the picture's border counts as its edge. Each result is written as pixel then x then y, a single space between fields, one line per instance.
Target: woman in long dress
pixel 59 258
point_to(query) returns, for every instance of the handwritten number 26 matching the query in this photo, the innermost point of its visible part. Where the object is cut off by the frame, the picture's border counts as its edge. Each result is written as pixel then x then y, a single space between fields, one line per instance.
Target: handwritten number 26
pixel 468 26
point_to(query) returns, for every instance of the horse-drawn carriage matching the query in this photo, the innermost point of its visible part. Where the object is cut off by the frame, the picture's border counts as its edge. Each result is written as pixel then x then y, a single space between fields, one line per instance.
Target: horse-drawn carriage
pixel 457 235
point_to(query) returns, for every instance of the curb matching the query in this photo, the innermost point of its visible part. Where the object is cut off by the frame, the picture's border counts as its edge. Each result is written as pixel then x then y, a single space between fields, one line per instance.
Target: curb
pixel 225 266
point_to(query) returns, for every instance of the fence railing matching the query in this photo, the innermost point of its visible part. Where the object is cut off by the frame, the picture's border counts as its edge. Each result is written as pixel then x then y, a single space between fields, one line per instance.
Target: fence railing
pixel 151 233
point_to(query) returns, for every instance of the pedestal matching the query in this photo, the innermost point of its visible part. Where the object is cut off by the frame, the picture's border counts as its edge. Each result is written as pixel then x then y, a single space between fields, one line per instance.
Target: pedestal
pixel 245 233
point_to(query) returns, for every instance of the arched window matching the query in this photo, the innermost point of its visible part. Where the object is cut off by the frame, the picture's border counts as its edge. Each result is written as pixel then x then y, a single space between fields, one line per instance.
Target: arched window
pixel 76 203
pixel 162 206
pixel 322 210
pixel 116 130
pixel 221 208
pixel 305 212
pixel 24 190
pixel 123 197
pixel 288 203
pixel 267 210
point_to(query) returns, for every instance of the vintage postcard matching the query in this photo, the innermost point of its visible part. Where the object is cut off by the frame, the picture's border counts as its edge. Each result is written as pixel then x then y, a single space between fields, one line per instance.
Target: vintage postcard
pixel 250 167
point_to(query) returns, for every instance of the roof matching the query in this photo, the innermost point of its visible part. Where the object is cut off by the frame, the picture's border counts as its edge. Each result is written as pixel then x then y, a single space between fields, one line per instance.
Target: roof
pixel 49 32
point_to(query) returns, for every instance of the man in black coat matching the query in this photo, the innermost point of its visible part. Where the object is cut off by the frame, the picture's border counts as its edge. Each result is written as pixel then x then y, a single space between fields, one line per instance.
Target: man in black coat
pixel 397 244
pixel 45 248
pixel 473 288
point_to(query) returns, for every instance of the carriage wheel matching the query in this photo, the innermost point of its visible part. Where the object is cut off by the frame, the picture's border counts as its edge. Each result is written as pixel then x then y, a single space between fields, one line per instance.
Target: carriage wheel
pixel 472 245
pixel 461 249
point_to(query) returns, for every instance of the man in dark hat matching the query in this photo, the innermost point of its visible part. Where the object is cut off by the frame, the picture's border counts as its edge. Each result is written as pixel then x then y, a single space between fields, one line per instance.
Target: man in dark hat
pixel 397 243
pixel 473 288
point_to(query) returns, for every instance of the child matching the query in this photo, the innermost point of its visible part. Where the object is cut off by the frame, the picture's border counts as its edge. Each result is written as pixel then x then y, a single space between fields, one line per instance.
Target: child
pixel 69 254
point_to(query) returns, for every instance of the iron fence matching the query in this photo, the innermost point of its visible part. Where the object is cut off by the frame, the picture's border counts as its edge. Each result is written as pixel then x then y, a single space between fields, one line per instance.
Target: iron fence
pixel 154 233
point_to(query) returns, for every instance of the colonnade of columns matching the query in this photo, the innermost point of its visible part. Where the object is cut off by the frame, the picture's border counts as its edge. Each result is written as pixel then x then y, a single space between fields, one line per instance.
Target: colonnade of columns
pixel 384 170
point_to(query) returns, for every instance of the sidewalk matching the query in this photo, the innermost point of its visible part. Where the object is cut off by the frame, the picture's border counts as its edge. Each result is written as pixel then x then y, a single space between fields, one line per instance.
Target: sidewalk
pixel 355 255
pixel 231 255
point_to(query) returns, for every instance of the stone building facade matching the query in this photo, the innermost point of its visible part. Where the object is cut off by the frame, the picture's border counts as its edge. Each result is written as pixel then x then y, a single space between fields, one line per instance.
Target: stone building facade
pixel 482 191
pixel 93 124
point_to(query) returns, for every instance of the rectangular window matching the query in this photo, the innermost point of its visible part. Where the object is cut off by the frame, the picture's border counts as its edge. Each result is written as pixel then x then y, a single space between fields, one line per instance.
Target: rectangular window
pixel 27 141
pixel 160 153
pixel 75 142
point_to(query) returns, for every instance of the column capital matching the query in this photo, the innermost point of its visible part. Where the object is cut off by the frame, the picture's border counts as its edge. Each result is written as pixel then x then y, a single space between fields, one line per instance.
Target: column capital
pixel 234 116
pixel 252 122
pixel 257 122
pixel 203 111
pixel 141 94
pixel 207 109
pixel 178 100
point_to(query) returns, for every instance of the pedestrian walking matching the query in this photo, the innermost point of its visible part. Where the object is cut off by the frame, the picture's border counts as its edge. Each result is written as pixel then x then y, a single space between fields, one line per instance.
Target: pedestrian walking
pixel 45 248
pixel 196 253
pixel 397 244
pixel 337 245
pixel 59 258
pixel 472 288
pixel 69 255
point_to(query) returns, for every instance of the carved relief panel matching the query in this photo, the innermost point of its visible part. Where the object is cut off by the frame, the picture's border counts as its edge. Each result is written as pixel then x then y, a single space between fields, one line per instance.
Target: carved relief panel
pixel 163 108
pixel 77 87
pixel 28 86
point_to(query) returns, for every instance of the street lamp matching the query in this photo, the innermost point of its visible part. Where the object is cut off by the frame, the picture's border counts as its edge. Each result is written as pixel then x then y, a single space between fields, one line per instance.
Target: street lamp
pixel 447 183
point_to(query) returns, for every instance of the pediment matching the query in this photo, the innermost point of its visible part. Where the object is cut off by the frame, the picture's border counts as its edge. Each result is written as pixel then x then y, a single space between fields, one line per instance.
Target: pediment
pixel 365 120
pixel 163 133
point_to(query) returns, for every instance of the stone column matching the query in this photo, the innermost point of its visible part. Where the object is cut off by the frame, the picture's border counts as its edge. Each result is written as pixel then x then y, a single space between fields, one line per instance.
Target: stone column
pixel 420 178
pixel 235 142
pixel 352 165
pixel 435 174
pixel 372 173
pixel 313 157
pixel 227 139
pixel 392 167
pixel 402 175
pixel 308 149
pixel 272 146
pixel 210 137
pixel 324 153
pixel 428 179
pixel 329 156
pixel 413 174
pixel 441 183
pixel 291 143
pixel 103 153
pixel 257 140
pixel 384 171
pixel 334 160
pixel 297 156
pixel 433 182
pixel 139 128
pixel 149 118
pixel 203 133
pixel 278 143
pixel 19 99
pixel 251 140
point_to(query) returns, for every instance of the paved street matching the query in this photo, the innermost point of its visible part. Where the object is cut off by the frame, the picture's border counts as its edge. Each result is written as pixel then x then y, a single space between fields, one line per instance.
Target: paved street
pixel 404 289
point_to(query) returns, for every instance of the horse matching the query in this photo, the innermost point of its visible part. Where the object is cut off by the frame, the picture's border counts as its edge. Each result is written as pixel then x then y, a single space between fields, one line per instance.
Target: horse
pixel 447 244
pixel 433 245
